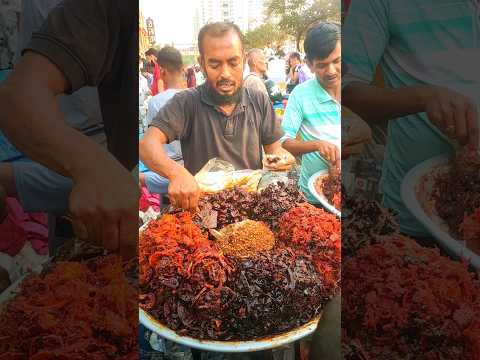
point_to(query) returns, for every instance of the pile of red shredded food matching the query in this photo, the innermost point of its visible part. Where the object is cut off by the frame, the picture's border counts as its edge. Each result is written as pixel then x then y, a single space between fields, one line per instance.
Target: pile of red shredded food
pixel 317 233
pixel 331 187
pixel 456 198
pixel 182 276
pixel 75 311
pixel 404 301
pixel 192 288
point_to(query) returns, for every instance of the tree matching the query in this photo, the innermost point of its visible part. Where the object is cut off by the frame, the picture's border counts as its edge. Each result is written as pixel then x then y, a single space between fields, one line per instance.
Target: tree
pixel 264 35
pixel 295 17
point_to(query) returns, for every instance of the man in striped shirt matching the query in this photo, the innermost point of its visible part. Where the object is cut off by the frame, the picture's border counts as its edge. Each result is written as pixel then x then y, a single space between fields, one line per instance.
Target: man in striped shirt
pixel 428 52
pixel 313 108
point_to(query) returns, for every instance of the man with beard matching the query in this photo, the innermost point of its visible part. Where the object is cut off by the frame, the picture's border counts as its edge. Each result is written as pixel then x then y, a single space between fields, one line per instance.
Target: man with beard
pixel 219 119
pixel 313 108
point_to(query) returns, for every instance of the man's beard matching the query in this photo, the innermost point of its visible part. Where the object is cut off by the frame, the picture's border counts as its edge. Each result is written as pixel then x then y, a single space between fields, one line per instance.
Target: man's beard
pixel 219 99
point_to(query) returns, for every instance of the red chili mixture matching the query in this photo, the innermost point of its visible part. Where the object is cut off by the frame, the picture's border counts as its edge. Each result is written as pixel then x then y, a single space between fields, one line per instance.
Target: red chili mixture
pixel 75 311
pixel 404 301
pixel 401 300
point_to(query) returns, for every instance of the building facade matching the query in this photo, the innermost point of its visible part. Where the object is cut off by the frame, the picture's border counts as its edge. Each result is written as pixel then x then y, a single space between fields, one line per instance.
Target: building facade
pixel 246 14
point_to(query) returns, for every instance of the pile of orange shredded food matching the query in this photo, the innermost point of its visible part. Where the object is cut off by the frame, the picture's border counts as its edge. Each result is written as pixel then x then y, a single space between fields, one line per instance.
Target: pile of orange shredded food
pixel 245 239
pixel 75 311
pixel 316 233
pixel 404 301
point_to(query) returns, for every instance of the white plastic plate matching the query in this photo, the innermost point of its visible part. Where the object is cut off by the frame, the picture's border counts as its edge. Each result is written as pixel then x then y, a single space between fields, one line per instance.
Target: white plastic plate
pixel 412 187
pixel 320 197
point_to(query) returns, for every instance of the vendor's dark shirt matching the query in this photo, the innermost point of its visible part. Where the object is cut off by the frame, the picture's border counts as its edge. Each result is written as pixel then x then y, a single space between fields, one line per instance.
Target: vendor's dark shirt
pixel 205 132
pixel 95 43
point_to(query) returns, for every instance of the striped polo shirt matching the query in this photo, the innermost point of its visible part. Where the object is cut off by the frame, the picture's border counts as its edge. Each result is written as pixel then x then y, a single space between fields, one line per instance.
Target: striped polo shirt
pixel 315 115
pixel 433 42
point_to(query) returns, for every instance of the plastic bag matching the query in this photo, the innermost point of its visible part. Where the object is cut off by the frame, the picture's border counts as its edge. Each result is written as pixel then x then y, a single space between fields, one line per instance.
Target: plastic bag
pixel 217 175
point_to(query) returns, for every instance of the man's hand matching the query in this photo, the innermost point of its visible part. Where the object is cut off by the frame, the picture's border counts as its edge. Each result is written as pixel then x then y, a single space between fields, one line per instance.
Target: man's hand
pixel 277 158
pixel 280 162
pixel 329 152
pixel 184 191
pixel 453 113
pixel 104 208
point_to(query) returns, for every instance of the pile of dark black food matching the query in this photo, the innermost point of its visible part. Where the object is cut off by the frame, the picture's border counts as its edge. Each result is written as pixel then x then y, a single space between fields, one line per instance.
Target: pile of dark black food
pixel 274 292
pixel 275 200
pixel 225 207
pixel 363 221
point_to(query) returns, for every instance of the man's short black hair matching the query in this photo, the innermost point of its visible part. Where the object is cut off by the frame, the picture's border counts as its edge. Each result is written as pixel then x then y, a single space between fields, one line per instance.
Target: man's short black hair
pixel 295 55
pixel 218 29
pixel 321 40
pixel 151 51
pixel 170 58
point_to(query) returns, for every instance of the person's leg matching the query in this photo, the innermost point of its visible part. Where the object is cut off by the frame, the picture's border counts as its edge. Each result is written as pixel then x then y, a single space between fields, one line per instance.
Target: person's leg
pixel 7 180
pixel 3 204
pixel 141 179
pixel 39 189
pixel 326 341
pixel 155 183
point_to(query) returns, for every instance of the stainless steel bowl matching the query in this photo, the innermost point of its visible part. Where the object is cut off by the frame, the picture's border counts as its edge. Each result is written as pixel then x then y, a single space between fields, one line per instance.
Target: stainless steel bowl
pixel 265 343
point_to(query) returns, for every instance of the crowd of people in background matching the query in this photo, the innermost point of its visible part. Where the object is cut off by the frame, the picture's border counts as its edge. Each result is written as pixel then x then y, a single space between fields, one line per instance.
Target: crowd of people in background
pixel 163 73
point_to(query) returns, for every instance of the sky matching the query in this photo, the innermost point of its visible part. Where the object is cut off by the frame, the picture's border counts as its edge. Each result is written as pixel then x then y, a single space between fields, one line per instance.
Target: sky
pixel 173 19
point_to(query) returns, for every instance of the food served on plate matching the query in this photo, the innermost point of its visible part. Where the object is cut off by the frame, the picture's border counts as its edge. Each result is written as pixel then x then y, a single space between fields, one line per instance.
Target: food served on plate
pixel 456 199
pixel 331 187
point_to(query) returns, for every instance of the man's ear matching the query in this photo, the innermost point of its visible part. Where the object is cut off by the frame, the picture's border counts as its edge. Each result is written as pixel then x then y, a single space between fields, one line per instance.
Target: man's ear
pixel 202 65
pixel 310 65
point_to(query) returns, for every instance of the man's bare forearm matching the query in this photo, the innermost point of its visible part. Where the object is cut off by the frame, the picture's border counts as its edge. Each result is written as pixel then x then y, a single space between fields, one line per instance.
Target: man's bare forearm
pixel 379 104
pixel 154 156
pixel 299 147
pixel 32 120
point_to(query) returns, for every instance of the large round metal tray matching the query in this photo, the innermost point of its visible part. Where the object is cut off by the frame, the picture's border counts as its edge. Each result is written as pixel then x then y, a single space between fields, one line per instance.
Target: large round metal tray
pixel 270 342
pixel 416 191
pixel 320 197
pixel 266 343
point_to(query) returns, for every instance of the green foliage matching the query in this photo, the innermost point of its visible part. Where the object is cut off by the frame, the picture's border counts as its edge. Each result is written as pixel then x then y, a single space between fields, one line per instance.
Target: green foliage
pixel 264 35
pixel 295 17
pixel 189 59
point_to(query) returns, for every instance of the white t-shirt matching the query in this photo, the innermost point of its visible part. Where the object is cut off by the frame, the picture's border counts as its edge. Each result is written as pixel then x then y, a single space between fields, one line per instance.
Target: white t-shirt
pixel 143 89
pixel 172 149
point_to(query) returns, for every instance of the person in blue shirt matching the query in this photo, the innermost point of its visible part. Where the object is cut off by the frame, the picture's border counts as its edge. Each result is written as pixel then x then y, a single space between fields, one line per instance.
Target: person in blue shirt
pixel 314 110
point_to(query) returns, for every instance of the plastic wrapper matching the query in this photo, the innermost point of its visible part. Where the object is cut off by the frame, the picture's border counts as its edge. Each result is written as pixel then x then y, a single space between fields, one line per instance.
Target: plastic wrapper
pixel 217 175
